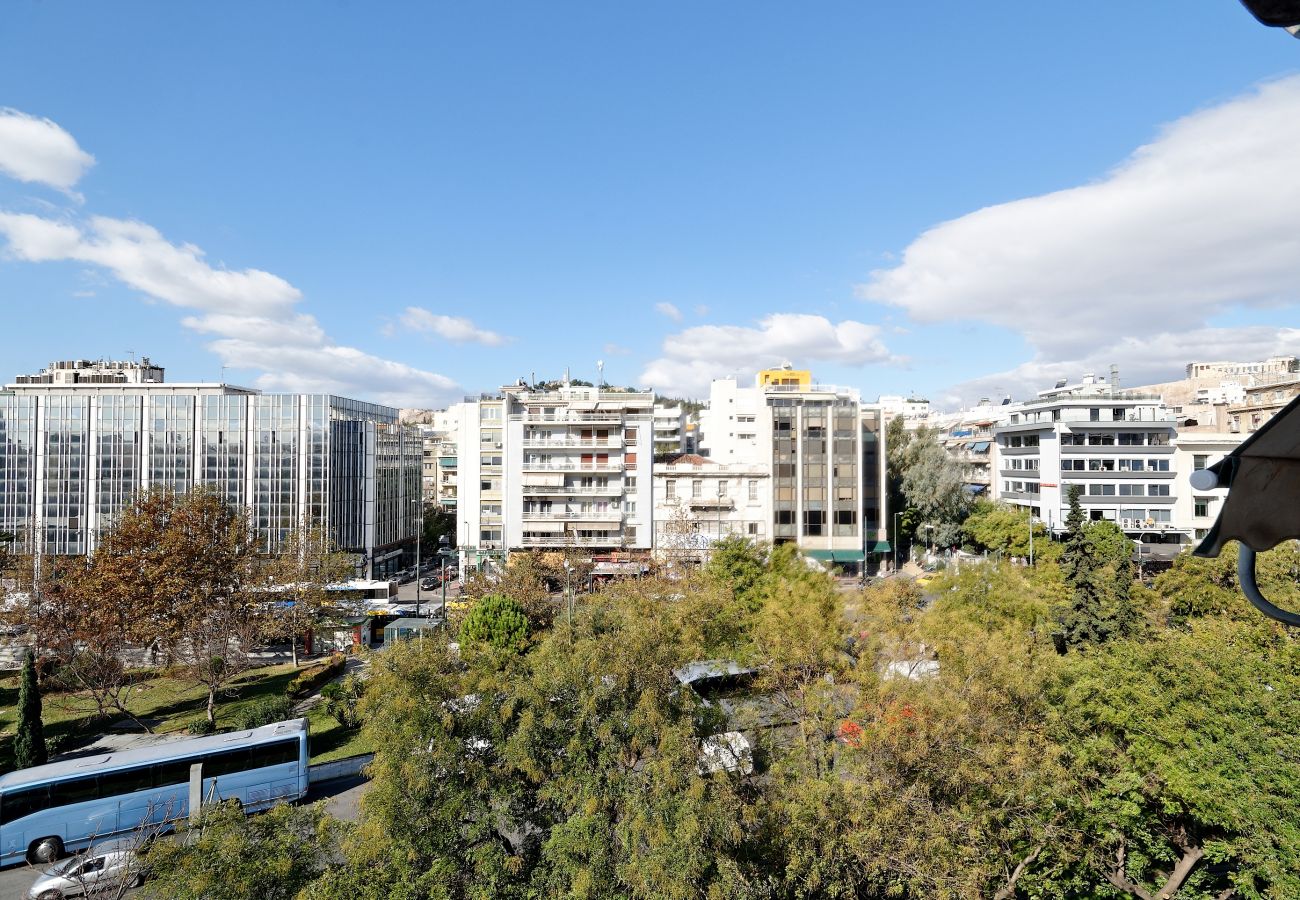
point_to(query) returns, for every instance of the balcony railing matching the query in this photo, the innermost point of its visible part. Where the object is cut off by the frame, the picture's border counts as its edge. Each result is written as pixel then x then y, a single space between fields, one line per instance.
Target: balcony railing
pixel 560 540
pixel 566 443
pixel 711 503
pixel 594 467
pixel 561 515
pixel 570 416
pixel 567 489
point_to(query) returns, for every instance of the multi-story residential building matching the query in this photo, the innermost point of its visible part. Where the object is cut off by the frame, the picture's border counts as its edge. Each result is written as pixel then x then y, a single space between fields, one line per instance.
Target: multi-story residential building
pixel 1274 365
pixel 441 444
pixel 1195 511
pixel 915 411
pixel 553 469
pixel 967 435
pixel 698 501
pixel 1263 399
pixel 669 429
pixel 825 452
pixel 1118 447
pixel 80 438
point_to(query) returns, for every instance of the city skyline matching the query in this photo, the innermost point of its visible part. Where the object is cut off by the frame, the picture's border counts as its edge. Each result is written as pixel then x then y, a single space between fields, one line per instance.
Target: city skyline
pixel 412 208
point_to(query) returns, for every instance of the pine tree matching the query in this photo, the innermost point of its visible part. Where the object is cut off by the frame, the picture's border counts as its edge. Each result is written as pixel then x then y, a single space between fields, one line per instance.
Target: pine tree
pixel 1082 620
pixel 29 742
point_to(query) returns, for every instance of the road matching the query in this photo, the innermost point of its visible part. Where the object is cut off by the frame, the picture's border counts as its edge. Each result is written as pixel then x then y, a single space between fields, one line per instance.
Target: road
pixel 342 796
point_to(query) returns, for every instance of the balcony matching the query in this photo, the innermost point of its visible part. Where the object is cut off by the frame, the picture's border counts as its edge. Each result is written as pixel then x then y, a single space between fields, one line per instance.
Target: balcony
pixel 612 466
pixel 562 515
pixel 570 416
pixel 565 490
pixel 563 540
pixel 711 503
pixel 572 443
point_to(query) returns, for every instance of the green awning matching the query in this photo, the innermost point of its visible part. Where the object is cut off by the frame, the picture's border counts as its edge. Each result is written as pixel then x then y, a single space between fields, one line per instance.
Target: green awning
pixel 881 547
pixel 834 556
pixel 447 462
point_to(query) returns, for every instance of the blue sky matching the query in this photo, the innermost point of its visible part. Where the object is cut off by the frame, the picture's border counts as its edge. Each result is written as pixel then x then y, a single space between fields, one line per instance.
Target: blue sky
pixel 407 202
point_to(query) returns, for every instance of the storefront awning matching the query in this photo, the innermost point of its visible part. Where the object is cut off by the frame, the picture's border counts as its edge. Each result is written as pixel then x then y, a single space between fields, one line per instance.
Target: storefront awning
pixel 881 547
pixel 849 556
pixel 824 556
pixel 976 488
pixel 980 447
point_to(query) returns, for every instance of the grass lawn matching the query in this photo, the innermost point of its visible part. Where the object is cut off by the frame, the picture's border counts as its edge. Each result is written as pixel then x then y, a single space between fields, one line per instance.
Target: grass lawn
pixel 169 705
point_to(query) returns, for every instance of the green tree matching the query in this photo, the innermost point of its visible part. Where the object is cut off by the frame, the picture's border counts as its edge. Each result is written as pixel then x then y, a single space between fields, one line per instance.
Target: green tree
pixel 304 565
pixel 1183 780
pixel 739 565
pixel 929 482
pixel 233 856
pixel 498 622
pixel 1000 528
pixel 29 740
pixel 438 523
pixel 1080 619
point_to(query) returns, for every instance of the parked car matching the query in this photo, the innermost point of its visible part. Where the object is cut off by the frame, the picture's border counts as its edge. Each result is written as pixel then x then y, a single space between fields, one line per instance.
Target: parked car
pixel 101 868
pixel 428 584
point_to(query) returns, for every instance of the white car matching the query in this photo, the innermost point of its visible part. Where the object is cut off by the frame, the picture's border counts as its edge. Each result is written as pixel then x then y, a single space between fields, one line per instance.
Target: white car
pixel 105 867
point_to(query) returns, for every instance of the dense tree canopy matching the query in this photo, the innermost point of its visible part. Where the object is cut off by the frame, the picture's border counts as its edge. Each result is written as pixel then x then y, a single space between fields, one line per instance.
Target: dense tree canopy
pixel 905 745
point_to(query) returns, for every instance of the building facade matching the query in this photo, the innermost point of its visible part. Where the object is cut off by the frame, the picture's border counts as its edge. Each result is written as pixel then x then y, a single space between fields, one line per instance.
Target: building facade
pixel 824 450
pixel 698 501
pixel 78 440
pixel 555 469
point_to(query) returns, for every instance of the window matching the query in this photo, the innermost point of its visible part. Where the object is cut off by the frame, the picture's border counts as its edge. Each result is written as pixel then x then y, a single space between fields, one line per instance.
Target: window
pixel 1157 490
pixel 1101 465
pixel 697 489
pixel 670 488
pixel 753 528
pixel 1100 439
pixel 1101 490
pixel 1160 515
pixel 1201 507
pixel 753 490
pixel 631 435
pixel 1069 439
pixel 1200 461
pixel 1157 465
pixel 1094 415
pixel 1132 490
pixel 722 488
pixel 1071 465
pixel 1132 465
pixel 1131 439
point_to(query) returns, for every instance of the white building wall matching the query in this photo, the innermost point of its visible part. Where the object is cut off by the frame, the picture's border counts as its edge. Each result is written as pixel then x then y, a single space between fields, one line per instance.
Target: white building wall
pixel 1194 451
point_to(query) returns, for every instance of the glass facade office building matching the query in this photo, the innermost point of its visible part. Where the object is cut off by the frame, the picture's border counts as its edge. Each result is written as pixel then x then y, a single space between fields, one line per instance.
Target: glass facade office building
pixel 72 456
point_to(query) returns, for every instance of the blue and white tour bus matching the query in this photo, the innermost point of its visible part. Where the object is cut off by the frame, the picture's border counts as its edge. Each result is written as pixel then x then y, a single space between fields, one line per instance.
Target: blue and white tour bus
pixel 46 811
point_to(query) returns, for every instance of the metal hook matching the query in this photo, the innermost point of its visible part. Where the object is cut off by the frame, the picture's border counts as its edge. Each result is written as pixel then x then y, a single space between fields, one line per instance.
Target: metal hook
pixel 1246 575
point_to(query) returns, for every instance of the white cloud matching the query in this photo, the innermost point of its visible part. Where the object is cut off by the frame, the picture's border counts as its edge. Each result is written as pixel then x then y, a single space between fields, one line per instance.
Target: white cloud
pixel 454 328
pixel 251 313
pixel 694 357
pixel 1135 267
pixel 1150 360
pixel 701 310
pixel 39 151
pixel 667 309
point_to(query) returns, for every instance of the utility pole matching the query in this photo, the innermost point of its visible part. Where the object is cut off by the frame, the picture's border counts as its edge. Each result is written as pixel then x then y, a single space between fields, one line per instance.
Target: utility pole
pixel 419 533
pixel 1031 539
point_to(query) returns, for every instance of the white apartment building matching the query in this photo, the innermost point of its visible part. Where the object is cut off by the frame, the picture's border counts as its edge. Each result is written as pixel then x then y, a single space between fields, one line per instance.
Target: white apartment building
pixel 1194 510
pixel 554 469
pixel 1118 447
pixel 914 410
pixel 669 429
pixel 824 450
pixel 698 501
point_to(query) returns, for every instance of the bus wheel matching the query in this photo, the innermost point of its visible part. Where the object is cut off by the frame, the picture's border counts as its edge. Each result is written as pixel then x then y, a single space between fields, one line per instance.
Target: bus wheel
pixel 46 850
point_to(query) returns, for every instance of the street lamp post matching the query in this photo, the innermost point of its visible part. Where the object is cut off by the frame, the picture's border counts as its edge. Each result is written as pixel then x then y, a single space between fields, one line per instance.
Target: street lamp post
pixel 419 533
pixel 568 595
pixel 1031 539
pixel 896 515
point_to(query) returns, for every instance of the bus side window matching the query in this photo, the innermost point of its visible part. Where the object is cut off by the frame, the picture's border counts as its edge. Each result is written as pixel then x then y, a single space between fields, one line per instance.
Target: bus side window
pixel 172 773
pixel 127 782
pixel 74 790
pixel 225 763
pixel 23 802
pixel 275 754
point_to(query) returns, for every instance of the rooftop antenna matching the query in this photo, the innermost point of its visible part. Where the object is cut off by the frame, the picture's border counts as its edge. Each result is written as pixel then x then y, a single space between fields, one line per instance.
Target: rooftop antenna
pixel 1114 378
pixel 131 355
pixel 600 373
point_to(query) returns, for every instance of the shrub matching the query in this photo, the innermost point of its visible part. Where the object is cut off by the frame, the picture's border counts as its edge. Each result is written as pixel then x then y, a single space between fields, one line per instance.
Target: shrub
pixel 313 677
pixel 497 621
pixel 201 726
pixel 341 699
pixel 262 712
